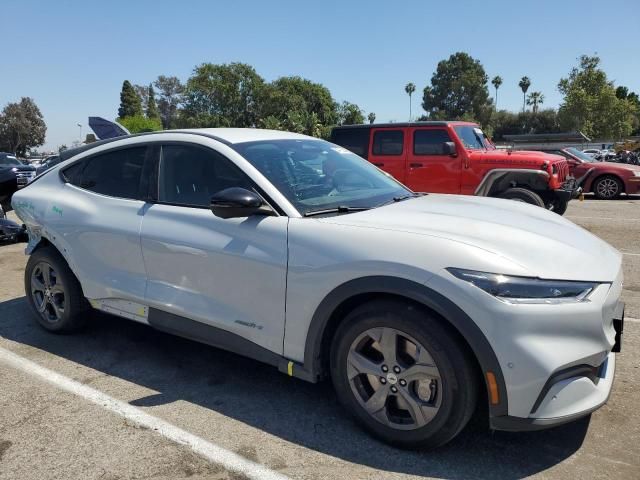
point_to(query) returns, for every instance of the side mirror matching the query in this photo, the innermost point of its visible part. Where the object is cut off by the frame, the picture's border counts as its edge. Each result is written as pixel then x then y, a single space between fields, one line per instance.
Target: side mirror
pixel 238 202
pixel 449 148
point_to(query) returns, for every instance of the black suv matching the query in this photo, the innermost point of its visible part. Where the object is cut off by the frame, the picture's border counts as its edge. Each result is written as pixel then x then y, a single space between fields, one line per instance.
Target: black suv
pixel 13 175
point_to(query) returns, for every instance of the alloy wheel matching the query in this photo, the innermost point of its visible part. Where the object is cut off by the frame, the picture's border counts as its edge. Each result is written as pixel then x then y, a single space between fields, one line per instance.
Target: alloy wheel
pixel 394 378
pixel 47 292
pixel 607 188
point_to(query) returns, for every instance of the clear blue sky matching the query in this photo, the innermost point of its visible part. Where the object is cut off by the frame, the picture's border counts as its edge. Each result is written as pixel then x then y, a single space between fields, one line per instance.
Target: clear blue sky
pixel 72 57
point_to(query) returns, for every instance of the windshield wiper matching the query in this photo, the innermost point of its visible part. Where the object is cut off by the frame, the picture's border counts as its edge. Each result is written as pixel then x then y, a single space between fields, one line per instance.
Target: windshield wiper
pixel 401 198
pixel 339 209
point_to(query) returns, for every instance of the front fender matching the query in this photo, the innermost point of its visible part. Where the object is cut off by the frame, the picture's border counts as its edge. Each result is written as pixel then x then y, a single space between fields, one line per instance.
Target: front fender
pixel 316 341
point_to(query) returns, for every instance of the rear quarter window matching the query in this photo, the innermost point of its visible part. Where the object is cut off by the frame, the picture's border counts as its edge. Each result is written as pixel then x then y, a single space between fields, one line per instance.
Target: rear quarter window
pixel 116 173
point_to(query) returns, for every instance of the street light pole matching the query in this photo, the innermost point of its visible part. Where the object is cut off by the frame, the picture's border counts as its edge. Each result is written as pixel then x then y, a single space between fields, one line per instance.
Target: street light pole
pixel 80 125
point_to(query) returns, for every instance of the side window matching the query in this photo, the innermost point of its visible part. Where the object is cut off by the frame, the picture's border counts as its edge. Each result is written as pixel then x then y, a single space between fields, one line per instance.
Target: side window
pixel 116 173
pixel 191 175
pixel 388 142
pixel 429 142
pixel 354 139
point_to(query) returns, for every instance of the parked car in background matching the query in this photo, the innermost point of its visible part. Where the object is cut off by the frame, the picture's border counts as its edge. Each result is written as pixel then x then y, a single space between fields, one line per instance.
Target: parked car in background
pixel 592 152
pixel 419 307
pixel 13 175
pixel 456 157
pixel 607 180
pixel 47 163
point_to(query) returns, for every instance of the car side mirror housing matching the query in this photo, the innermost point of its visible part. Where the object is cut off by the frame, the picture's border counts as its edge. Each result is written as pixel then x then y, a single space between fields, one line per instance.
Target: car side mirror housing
pixel 449 148
pixel 238 202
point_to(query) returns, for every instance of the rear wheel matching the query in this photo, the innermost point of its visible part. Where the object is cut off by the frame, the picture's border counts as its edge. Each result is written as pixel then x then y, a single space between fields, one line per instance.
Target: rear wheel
pixel 607 188
pixel 403 376
pixel 523 195
pixel 53 292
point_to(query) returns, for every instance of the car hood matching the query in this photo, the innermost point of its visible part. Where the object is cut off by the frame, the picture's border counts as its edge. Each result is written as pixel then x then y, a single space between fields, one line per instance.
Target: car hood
pixel 541 242
pixel 615 166
pixel 528 157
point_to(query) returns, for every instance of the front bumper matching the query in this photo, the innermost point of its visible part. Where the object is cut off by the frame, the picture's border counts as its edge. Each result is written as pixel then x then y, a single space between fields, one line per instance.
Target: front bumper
pixel 569 190
pixel 557 361
pixel 632 185
pixel 567 399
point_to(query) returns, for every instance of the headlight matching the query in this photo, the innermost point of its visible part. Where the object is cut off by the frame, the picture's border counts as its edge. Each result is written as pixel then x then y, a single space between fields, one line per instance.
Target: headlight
pixel 520 290
pixel 636 173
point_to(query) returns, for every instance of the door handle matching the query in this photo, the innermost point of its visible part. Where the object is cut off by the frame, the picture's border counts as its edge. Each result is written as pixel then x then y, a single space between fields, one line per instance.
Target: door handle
pixel 378 164
pixel 416 165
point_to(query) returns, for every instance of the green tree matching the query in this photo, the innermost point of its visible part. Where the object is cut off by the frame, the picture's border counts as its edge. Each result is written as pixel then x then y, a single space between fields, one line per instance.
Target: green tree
pixel 350 114
pixel 140 124
pixel 130 102
pixel 622 92
pixel 170 91
pixel 409 88
pixel 590 104
pixel 458 89
pixel 371 117
pixel 496 81
pixel 524 85
pixel 298 94
pixel 21 126
pixel 152 107
pixel 143 93
pixel 509 123
pixel 299 105
pixel 535 99
pixel 225 94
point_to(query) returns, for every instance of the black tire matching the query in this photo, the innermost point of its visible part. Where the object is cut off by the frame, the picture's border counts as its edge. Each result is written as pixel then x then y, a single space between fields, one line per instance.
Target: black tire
pixel 607 187
pixel 560 206
pixel 523 195
pixel 457 383
pixel 66 308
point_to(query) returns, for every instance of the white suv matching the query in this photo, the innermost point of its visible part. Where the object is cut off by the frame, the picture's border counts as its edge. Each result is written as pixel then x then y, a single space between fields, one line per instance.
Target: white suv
pixel 300 254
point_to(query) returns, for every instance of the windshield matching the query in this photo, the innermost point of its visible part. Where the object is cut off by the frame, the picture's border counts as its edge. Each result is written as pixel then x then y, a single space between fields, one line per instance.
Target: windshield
pixel 473 138
pixel 9 160
pixel 316 175
pixel 581 155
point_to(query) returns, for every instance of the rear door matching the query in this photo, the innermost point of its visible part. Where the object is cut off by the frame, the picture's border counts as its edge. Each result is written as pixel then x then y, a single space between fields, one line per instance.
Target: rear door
pixel 430 169
pixel 388 151
pixel 98 217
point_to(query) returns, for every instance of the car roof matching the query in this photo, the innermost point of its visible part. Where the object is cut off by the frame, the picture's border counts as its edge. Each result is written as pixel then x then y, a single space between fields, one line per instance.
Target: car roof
pixel 438 123
pixel 228 136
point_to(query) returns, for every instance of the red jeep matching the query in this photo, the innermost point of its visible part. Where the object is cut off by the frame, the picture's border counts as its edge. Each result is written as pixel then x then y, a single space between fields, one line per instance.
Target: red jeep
pixel 456 157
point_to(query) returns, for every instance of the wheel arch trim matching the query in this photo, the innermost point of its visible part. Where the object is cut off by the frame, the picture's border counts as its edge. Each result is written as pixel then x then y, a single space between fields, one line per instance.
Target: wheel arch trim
pixel 454 315
pixel 485 187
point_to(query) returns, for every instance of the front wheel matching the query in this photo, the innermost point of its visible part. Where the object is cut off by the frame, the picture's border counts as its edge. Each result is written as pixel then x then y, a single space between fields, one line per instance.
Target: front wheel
pixel 560 206
pixel 402 375
pixel 607 188
pixel 523 195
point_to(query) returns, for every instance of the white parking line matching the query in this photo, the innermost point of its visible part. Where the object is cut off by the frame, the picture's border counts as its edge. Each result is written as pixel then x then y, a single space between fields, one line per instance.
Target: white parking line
pixel 227 459
pixel 629 253
pixel 633 320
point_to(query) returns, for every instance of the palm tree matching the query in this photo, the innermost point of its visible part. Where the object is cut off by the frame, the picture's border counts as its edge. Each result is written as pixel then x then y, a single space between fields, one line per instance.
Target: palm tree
pixel 524 84
pixel 371 117
pixel 497 81
pixel 410 88
pixel 535 99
